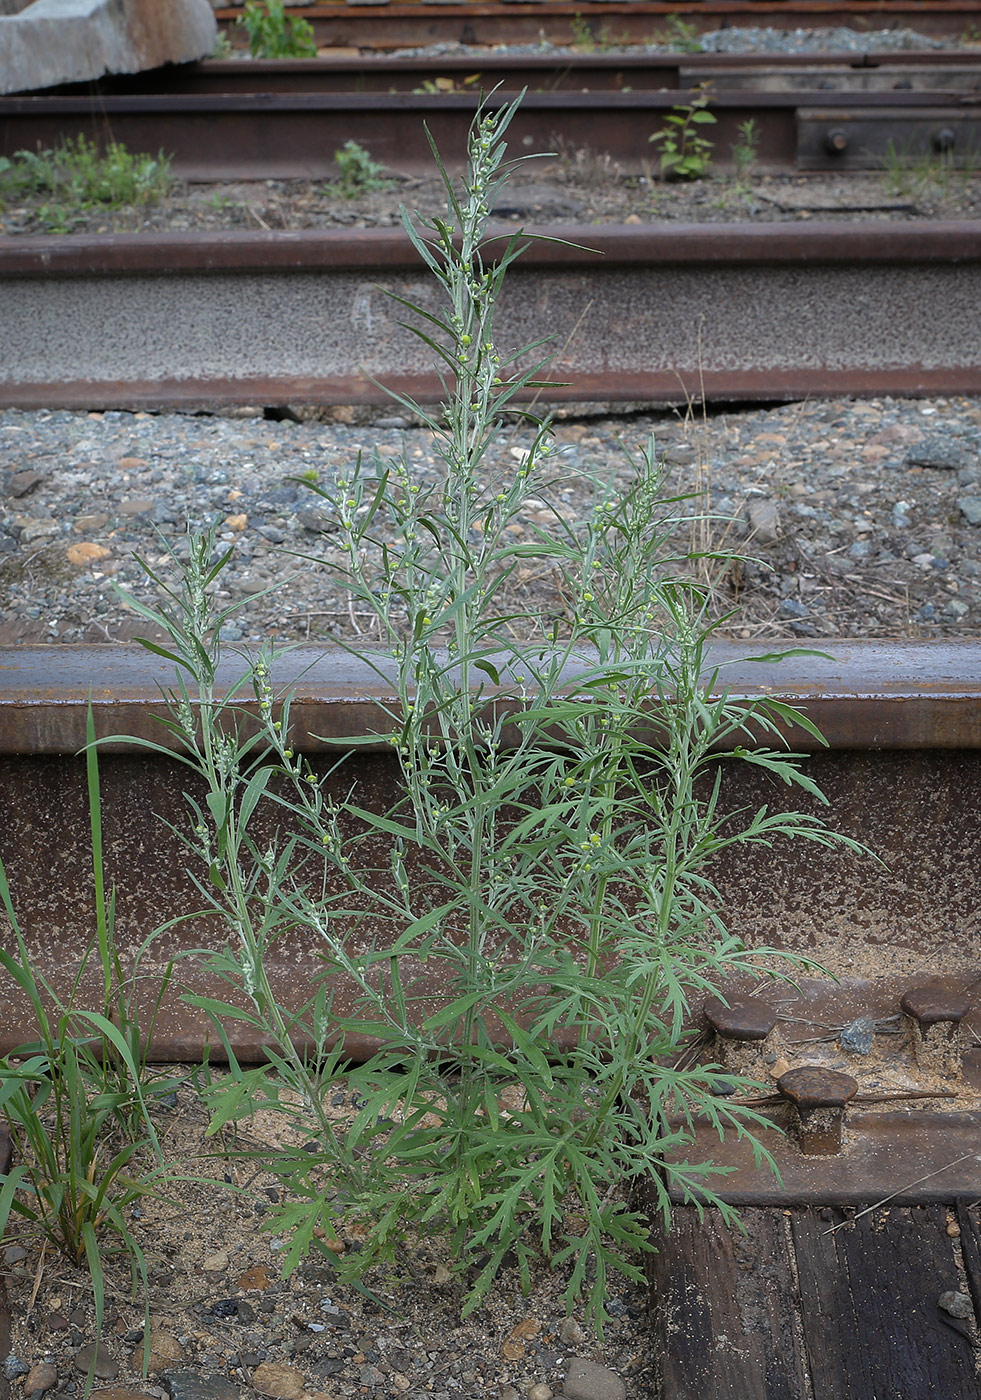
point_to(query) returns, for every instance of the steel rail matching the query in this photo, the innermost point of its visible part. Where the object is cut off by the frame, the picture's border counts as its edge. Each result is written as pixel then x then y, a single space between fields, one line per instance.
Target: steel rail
pixel 902 771
pixel 391 26
pixel 955 69
pixel 663 313
pixel 235 136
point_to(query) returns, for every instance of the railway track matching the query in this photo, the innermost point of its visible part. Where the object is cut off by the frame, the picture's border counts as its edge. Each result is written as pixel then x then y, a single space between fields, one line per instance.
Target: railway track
pixel 646 314
pixel 951 70
pixel 381 25
pixel 722 312
pixel 818 116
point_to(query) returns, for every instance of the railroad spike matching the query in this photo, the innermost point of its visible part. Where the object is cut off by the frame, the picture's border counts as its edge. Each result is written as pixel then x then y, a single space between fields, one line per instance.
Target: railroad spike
pixel 933 1017
pixel 818 1099
pixel 744 1034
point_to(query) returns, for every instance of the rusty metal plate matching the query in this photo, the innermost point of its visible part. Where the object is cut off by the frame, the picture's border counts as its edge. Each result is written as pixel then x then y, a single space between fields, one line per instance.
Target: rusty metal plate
pixel 910 1134
pixel 843 139
pixel 911 1158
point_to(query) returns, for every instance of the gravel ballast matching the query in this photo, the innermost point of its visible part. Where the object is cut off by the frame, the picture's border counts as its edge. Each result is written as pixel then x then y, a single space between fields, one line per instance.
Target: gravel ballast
pixel 863 518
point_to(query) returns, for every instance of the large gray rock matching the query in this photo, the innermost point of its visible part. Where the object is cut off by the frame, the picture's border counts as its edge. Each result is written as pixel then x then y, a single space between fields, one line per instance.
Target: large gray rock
pixel 70 41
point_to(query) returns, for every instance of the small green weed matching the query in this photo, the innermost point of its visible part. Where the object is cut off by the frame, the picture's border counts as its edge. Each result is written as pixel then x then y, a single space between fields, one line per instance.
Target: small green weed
pixel 917 174
pixel 685 153
pixel 434 86
pixel 275 34
pixel 681 35
pixel 587 39
pixel 224 48
pixel 359 173
pixel 81 177
pixel 583 37
pixel 746 150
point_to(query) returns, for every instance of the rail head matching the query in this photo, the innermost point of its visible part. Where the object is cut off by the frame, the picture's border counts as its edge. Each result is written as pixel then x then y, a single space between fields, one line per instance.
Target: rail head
pixel 861 695
pixel 547 246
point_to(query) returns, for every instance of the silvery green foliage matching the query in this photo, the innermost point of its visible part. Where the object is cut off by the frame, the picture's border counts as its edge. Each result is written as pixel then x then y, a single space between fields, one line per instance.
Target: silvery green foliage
pixel 549 863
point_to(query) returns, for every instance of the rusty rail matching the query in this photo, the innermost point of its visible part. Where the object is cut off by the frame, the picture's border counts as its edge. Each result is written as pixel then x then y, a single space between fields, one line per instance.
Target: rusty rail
pixel 639 69
pixel 902 771
pixel 647 314
pixel 391 26
pixel 279 135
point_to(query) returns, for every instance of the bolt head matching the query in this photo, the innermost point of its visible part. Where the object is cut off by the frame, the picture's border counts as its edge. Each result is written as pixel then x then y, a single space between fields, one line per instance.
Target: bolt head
pixel 812 1086
pixel 745 1019
pixel 930 1005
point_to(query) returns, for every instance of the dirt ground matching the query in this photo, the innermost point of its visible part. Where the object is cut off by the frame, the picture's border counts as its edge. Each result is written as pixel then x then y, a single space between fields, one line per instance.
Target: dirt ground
pixel 578 186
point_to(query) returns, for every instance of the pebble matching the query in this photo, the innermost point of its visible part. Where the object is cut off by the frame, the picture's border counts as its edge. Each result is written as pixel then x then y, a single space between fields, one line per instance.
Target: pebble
pixel 192 1385
pixel 278 1381
pixel 13 1367
pixel 96 1357
pixel 20 483
pixel 164 1351
pixel 40 1378
pixel 941 453
pixel 587 1380
pixel 957 1305
pixel 570 1332
pixel 764 520
pixel 857 1038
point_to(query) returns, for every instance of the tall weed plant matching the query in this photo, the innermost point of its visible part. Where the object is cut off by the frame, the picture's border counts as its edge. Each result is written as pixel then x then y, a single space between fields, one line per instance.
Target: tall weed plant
pixel 549 862
pixel 76 1098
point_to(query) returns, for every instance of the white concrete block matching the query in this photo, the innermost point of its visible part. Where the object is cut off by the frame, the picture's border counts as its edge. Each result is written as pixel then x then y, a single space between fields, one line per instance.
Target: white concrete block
pixel 68 41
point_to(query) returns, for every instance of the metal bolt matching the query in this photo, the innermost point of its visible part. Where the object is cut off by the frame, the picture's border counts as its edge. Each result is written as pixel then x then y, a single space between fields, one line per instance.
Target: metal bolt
pixel 819 1097
pixel 933 1018
pixel 945 139
pixel 836 141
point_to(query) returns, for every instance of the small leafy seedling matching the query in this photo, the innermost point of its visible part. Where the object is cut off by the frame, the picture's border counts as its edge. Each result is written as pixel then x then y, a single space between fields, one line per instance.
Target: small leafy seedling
pixel 685 153
pixel 682 35
pixel 359 172
pixel 79 177
pixel 275 34
pixel 746 150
